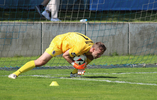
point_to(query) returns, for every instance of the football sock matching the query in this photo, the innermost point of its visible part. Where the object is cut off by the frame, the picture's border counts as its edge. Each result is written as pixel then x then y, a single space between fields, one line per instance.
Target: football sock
pixel 28 66
pixel 75 71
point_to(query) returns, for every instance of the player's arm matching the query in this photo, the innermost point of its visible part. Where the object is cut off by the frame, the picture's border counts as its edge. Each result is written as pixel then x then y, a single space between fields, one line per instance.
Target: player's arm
pixel 67 57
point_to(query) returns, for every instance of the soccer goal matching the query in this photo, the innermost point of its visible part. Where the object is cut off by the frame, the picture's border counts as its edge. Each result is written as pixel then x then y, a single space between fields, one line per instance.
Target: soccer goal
pixel 128 28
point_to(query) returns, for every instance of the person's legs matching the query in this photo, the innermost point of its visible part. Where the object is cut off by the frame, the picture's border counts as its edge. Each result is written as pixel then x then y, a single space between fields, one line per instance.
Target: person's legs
pixel 46 14
pixel 40 8
pixel 53 8
pixel 42 60
pixel 45 2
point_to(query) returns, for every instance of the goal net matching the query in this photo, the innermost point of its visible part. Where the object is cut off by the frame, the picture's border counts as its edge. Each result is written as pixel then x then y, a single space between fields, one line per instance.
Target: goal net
pixel 128 28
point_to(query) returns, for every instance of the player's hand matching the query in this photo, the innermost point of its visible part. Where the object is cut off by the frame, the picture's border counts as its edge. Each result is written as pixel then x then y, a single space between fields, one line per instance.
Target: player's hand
pixel 81 71
pixel 83 66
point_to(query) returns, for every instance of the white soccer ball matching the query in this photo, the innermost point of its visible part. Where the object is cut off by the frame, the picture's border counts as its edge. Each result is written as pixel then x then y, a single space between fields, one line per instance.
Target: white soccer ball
pixel 80 59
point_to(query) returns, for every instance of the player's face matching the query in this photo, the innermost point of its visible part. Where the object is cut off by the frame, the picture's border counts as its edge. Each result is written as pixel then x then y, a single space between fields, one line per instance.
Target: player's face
pixel 97 53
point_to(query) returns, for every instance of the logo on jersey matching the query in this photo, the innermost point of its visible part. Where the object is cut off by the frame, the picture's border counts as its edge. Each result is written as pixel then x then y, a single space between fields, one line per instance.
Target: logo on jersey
pixel 53 52
pixel 73 54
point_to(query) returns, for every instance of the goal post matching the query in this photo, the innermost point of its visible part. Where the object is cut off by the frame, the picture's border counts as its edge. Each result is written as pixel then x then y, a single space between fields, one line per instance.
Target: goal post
pixel 126 27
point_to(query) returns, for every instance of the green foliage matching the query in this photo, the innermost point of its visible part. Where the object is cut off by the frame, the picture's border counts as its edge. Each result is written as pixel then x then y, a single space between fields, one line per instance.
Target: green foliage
pixel 114 54
pixel 18 56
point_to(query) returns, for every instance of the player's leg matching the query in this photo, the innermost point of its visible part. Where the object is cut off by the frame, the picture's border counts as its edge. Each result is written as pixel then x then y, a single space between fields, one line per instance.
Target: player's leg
pixel 50 52
pixel 77 72
pixel 42 60
pixel 74 73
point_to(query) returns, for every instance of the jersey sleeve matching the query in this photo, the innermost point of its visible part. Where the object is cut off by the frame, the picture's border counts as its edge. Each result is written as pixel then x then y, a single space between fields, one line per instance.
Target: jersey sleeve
pixel 75 51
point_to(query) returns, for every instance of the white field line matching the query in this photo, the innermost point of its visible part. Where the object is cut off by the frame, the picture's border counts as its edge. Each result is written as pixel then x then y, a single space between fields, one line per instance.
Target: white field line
pixel 86 79
pixel 122 73
pixel 87 73
pixel 110 81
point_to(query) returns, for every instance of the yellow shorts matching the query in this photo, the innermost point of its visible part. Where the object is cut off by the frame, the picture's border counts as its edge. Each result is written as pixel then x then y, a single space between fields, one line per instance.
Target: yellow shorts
pixel 53 48
pixel 53 51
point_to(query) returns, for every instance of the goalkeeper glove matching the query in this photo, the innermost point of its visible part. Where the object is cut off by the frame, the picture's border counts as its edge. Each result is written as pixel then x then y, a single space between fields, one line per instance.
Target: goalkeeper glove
pixel 83 66
pixel 81 71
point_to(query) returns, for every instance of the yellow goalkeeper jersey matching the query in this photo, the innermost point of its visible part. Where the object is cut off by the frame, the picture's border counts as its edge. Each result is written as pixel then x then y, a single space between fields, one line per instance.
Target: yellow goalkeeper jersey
pixel 75 42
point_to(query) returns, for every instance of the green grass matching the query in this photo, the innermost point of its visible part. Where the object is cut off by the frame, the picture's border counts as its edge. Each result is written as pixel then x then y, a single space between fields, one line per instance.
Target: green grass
pixel 94 85
pixel 60 61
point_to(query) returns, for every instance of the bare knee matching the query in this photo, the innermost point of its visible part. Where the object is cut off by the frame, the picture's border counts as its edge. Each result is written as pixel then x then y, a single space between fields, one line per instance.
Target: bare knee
pixel 39 62
pixel 43 59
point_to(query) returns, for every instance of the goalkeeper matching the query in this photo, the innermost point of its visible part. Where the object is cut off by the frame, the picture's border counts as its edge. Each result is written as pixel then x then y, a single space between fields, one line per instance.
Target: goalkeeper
pixel 69 44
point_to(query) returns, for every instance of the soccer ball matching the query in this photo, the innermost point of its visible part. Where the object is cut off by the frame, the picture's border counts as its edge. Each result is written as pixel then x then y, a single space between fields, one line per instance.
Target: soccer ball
pixel 80 59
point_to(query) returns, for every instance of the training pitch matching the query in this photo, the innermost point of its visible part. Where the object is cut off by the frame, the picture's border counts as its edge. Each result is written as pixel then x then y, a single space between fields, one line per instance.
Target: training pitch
pixel 96 84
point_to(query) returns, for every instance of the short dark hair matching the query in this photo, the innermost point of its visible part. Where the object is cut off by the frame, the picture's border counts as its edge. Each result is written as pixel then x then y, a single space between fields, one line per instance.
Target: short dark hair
pixel 100 45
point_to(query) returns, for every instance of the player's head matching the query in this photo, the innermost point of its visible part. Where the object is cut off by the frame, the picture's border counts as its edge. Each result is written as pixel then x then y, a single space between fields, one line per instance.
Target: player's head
pixel 98 49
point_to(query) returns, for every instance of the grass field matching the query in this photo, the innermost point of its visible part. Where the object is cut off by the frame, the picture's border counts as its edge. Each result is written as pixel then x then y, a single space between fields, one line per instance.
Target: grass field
pixel 60 61
pixel 96 84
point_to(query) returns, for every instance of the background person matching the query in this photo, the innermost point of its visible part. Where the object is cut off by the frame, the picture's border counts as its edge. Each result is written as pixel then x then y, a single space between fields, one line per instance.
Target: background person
pixel 40 8
pixel 51 10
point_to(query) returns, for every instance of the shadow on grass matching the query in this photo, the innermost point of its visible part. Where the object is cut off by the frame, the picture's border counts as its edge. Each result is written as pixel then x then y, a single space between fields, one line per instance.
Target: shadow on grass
pixel 98 77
